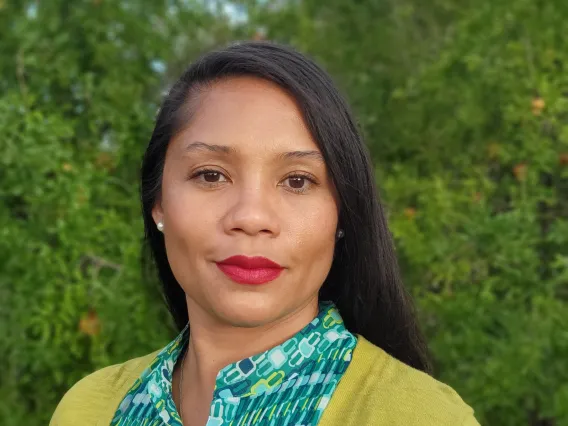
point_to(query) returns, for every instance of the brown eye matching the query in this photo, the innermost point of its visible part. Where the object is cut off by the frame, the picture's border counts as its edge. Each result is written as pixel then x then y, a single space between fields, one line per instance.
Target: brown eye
pixel 211 177
pixel 297 182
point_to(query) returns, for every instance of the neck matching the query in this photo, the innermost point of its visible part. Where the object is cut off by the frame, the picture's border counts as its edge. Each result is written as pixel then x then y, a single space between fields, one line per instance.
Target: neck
pixel 213 345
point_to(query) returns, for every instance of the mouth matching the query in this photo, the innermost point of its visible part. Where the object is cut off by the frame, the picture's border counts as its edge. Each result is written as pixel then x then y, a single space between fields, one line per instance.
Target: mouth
pixel 250 270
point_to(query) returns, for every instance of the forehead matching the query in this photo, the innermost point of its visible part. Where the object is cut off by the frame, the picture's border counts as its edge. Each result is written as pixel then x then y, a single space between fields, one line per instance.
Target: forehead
pixel 249 114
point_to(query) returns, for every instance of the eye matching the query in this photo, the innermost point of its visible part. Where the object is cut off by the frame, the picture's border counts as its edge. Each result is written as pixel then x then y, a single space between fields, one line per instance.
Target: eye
pixel 209 177
pixel 300 183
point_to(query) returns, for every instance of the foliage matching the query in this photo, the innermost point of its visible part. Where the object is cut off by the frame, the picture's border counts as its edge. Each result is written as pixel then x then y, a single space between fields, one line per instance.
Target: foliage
pixel 465 111
pixel 464 106
pixel 79 89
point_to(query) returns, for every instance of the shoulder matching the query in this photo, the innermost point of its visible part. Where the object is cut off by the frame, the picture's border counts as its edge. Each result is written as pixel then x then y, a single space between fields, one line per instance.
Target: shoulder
pixel 96 396
pixel 380 390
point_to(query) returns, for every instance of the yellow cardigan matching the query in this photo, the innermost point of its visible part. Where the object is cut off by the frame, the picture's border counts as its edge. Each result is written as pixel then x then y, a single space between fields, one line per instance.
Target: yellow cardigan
pixel 376 389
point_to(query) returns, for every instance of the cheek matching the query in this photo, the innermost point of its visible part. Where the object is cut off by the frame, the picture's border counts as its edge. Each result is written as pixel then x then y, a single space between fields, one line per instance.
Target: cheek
pixel 314 234
pixel 191 220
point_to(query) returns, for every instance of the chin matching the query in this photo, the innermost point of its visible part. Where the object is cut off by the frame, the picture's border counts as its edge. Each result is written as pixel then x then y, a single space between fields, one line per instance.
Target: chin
pixel 250 312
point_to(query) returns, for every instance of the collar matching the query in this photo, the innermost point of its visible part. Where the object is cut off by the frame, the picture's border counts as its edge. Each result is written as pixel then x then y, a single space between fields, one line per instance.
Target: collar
pixel 304 370
pixel 266 371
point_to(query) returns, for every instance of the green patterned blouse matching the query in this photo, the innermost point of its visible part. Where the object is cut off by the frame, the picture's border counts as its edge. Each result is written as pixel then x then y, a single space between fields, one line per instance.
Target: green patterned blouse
pixel 290 384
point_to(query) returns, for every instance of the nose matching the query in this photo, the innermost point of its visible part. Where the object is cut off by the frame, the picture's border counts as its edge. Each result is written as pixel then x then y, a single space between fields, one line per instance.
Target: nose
pixel 253 211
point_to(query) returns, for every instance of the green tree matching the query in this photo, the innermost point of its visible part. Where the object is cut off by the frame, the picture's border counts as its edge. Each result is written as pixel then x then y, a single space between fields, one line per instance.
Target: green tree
pixel 464 106
pixel 80 86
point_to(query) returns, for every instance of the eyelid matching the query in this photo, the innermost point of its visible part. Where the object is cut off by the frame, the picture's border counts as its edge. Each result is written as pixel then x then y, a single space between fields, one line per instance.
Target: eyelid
pixel 196 174
pixel 312 181
pixel 306 175
pixel 207 169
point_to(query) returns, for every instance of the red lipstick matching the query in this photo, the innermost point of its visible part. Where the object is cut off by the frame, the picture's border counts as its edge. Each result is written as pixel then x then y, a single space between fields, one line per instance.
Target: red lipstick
pixel 250 270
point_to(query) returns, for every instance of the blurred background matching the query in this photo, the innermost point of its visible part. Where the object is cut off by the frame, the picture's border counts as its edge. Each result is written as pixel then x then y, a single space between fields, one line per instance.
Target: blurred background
pixel 464 106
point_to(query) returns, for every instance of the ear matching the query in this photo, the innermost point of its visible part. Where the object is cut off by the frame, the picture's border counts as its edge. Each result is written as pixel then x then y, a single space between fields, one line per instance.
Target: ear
pixel 158 212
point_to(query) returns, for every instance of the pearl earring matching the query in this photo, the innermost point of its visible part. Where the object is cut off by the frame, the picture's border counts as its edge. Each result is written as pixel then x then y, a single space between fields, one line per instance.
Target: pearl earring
pixel 160 226
pixel 340 234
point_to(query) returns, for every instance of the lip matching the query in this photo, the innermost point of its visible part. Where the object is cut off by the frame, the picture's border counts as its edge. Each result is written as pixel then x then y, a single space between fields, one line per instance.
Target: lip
pixel 250 270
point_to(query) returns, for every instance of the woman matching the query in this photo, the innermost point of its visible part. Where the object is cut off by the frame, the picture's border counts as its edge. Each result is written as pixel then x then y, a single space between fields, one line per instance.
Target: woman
pixel 276 262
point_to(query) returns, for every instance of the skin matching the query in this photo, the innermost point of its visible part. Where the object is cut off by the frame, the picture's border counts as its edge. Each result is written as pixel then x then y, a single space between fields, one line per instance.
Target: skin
pixel 254 204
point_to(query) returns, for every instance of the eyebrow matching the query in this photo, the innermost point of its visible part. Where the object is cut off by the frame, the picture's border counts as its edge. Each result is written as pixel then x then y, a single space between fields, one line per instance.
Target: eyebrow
pixel 224 149
pixel 202 146
pixel 314 155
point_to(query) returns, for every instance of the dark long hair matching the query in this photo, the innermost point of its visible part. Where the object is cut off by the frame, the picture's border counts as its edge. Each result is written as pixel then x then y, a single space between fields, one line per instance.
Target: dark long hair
pixel 364 281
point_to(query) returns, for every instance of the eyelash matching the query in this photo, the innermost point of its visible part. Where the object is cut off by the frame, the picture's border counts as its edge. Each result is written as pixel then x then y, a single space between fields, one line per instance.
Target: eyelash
pixel 306 176
pixel 202 172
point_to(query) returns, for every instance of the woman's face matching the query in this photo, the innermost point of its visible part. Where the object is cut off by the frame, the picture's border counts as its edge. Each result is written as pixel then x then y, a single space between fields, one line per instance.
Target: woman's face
pixel 245 178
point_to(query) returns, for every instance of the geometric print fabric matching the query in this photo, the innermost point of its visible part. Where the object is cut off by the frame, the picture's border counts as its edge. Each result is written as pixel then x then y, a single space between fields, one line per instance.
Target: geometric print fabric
pixel 290 384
